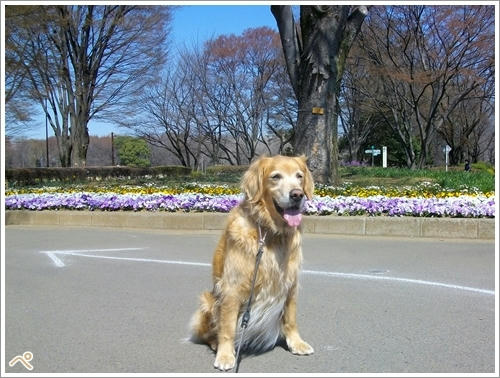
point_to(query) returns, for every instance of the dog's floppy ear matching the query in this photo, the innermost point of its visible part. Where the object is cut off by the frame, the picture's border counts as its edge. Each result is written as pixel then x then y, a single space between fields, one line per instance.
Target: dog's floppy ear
pixel 252 183
pixel 308 179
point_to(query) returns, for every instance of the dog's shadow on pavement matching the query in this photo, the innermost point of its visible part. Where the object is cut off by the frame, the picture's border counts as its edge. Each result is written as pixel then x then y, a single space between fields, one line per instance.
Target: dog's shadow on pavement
pixel 281 343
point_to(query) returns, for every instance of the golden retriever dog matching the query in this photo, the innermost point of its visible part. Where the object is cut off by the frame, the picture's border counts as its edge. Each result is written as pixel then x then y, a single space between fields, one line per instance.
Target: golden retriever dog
pixel 275 189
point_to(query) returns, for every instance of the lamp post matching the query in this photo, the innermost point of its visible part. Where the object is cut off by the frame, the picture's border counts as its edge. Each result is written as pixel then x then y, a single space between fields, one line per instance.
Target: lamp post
pixel 46 136
pixel 46 110
pixel 112 150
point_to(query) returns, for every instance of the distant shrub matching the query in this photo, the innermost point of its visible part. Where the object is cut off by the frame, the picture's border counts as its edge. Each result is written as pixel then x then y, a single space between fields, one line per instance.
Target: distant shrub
pixel 353 163
pixel 222 173
pixel 32 176
pixel 226 169
pixel 133 152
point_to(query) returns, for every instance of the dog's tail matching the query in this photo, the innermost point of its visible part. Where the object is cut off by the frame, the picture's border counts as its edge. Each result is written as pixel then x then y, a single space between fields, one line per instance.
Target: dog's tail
pixel 202 322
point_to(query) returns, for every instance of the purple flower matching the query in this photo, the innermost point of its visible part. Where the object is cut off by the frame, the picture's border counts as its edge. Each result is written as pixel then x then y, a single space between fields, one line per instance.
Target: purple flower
pixel 463 206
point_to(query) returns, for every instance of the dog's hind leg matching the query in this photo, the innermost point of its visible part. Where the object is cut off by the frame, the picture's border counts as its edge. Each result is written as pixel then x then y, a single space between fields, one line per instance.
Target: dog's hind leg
pixel 202 322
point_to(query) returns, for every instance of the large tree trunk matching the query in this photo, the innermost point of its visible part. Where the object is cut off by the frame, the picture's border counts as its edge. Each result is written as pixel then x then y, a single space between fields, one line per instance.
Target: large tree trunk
pixel 317 90
pixel 80 143
pixel 79 115
pixel 64 147
pixel 315 56
pixel 314 131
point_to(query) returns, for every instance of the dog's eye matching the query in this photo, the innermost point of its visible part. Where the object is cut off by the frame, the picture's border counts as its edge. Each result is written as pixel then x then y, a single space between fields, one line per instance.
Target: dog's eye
pixel 276 176
pixel 300 176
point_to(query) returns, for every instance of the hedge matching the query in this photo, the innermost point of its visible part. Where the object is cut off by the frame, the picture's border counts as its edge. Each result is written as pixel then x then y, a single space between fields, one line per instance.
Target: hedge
pixel 30 176
pixel 223 170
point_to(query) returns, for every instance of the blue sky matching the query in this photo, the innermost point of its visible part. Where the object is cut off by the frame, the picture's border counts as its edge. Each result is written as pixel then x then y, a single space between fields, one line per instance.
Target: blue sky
pixel 191 24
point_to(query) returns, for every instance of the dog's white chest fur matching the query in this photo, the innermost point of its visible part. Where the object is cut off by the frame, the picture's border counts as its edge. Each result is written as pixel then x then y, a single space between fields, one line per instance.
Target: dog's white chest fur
pixel 267 309
pixel 263 327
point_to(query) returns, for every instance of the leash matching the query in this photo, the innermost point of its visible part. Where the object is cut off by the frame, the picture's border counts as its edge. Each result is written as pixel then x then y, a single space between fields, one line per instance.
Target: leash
pixel 246 315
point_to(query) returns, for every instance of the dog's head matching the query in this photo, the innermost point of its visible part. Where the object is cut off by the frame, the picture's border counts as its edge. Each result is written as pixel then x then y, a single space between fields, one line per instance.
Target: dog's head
pixel 277 187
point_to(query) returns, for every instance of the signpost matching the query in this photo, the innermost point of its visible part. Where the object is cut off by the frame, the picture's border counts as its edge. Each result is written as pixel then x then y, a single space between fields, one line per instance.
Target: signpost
pixel 373 152
pixel 446 150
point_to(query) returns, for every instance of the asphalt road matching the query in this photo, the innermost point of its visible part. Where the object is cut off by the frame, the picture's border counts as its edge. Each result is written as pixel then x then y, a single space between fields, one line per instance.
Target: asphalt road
pixel 119 301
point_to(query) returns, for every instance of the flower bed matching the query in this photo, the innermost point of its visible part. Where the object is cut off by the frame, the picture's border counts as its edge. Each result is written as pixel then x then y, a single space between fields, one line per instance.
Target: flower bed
pixel 426 190
pixel 424 200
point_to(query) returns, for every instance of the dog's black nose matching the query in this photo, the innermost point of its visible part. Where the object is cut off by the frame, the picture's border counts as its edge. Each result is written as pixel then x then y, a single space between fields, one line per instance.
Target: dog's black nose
pixel 296 195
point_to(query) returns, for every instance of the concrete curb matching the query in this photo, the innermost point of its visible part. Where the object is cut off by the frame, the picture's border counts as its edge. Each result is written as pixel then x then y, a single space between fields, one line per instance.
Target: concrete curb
pixel 446 228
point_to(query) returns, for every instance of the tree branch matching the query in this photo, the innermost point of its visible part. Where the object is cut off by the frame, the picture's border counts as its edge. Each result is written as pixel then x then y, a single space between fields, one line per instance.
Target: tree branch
pixel 289 41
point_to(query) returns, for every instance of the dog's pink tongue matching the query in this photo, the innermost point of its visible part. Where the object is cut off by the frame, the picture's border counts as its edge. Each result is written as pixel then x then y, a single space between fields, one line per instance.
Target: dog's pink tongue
pixel 293 218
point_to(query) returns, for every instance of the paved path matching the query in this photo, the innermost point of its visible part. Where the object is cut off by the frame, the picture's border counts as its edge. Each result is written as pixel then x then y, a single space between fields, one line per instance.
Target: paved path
pixel 88 300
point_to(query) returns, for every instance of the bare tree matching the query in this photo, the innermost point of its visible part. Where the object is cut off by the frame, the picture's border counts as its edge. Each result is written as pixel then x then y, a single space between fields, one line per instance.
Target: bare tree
pixel 281 116
pixel 177 115
pixel 221 102
pixel 84 61
pixel 100 151
pixel 19 109
pixel 26 153
pixel 356 114
pixel 168 117
pixel 315 53
pixel 467 130
pixel 244 67
pixel 429 60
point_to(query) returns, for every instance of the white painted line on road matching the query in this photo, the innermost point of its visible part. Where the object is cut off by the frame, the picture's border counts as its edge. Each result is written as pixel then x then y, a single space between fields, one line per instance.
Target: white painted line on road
pixel 55 259
pixel 75 251
pixel 60 264
pixel 138 259
pixel 367 277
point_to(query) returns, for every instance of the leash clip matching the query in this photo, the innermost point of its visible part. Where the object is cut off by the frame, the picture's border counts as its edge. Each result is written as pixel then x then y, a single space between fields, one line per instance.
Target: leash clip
pixel 245 318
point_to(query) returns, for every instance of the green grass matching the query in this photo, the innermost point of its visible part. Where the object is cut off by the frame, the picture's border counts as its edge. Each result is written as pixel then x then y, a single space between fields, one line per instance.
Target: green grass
pixel 481 177
pixel 456 178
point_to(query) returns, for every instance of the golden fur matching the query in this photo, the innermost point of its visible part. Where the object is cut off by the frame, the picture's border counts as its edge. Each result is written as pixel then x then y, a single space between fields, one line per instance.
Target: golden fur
pixel 273 187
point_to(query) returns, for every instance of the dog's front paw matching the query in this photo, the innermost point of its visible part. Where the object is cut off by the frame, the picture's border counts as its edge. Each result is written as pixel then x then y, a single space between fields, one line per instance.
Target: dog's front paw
pixel 224 361
pixel 299 347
